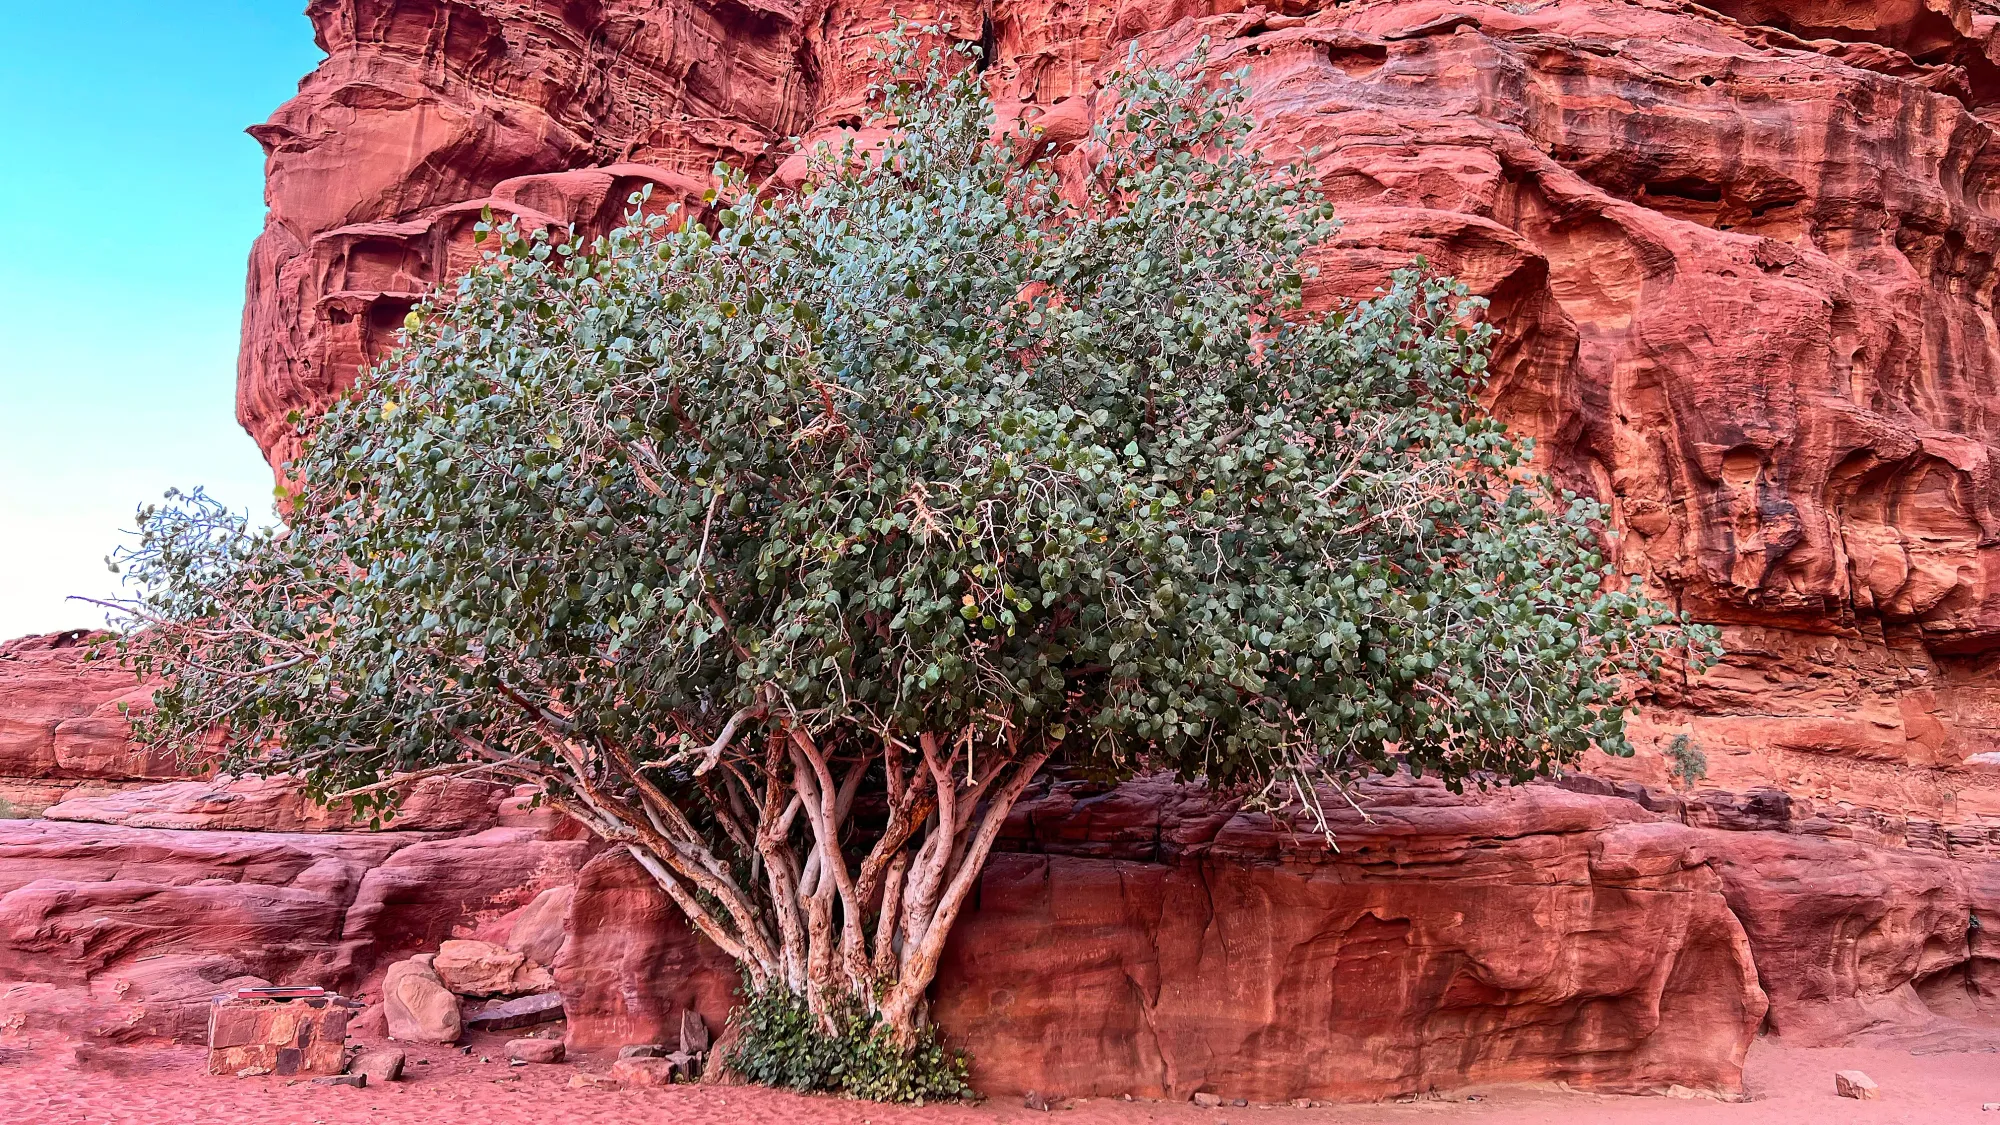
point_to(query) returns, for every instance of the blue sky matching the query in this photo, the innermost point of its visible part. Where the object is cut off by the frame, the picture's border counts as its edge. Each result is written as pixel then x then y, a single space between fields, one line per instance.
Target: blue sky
pixel 131 195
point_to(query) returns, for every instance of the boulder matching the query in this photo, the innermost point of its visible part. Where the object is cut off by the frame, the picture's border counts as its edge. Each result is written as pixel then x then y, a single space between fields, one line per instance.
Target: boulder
pixel 538 930
pixel 535 1050
pixel 379 1064
pixel 371 1022
pixel 592 1082
pixel 418 1005
pixel 478 968
pixel 351 1081
pixel 694 1032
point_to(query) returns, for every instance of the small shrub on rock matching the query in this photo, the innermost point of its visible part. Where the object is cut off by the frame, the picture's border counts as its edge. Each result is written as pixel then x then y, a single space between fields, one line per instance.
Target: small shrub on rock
pixel 779 1042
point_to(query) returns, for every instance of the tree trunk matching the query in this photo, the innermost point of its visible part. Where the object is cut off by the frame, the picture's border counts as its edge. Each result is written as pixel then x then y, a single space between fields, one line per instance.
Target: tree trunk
pixel 800 922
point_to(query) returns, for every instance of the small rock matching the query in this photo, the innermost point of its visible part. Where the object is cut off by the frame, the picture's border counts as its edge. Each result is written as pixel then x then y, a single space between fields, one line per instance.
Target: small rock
pixel 694 1032
pixel 1994 1106
pixel 1302 1103
pixel 535 1050
pixel 1241 1103
pixel 687 1067
pixel 382 1064
pixel 592 1081
pixel 253 1072
pixel 372 1023
pixel 641 1051
pixel 1037 1101
pixel 1206 1100
pixel 644 1071
pixel 1854 1084
pixel 355 1080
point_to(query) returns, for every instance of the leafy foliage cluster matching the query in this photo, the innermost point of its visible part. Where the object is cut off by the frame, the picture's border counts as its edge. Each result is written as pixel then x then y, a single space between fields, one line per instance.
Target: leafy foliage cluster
pixel 1685 761
pixel 781 1043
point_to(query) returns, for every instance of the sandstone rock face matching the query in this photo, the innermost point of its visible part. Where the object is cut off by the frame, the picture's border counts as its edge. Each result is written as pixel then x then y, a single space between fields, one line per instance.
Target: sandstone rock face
pixel 1854 942
pixel 60 728
pixel 537 932
pixel 433 890
pixel 1146 941
pixel 631 964
pixel 127 933
pixel 276 804
pixel 1742 255
pixel 483 969
pixel 1447 943
pixel 78 902
pixel 1743 259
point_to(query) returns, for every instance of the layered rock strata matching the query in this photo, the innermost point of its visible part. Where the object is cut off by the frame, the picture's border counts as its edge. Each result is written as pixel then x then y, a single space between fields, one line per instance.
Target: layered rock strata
pixel 126 933
pixel 1148 940
pixel 62 732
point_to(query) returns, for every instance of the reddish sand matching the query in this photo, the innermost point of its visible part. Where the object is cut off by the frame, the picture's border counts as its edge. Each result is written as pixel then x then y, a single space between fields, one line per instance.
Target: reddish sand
pixel 52 1083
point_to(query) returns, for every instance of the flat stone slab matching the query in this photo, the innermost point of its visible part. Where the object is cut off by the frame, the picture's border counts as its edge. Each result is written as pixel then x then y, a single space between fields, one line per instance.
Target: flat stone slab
pixel 526 1011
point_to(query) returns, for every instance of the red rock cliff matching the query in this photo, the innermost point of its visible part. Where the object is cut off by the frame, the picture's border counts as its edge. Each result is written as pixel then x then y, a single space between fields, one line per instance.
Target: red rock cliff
pixel 1743 255
pixel 1743 258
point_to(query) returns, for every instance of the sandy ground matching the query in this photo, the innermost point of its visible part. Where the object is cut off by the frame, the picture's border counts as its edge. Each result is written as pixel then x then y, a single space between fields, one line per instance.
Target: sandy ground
pixel 50 1083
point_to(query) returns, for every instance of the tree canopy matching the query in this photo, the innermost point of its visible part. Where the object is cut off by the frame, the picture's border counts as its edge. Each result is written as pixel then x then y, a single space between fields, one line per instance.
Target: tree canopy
pixel 783 541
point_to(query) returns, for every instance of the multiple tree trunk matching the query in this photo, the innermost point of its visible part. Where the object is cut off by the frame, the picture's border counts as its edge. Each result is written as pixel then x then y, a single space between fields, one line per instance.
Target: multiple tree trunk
pixel 751 829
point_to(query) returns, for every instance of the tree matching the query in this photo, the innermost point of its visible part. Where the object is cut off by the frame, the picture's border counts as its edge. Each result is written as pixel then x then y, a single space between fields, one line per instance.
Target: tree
pixel 783 544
